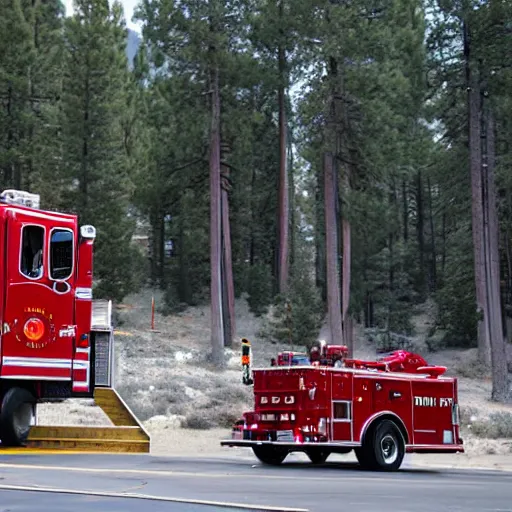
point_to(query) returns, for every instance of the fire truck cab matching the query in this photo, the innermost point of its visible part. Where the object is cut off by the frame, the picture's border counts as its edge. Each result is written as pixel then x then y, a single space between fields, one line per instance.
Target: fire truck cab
pixel 380 409
pixel 48 348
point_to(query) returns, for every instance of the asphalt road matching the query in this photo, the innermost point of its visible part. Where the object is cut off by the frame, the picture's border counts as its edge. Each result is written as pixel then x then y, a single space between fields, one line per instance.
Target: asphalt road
pixel 27 483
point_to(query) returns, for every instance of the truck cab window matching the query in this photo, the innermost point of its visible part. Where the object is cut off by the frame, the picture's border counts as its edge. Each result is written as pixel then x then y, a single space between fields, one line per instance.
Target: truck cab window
pixel 32 245
pixel 61 254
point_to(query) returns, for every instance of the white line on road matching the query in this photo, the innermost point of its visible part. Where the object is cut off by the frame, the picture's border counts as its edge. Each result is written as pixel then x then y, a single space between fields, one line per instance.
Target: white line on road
pixel 224 504
pixel 380 479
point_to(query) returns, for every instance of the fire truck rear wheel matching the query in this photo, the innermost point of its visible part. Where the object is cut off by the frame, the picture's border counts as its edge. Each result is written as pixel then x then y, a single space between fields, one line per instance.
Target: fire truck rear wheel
pixel 16 414
pixel 383 448
pixel 318 456
pixel 270 455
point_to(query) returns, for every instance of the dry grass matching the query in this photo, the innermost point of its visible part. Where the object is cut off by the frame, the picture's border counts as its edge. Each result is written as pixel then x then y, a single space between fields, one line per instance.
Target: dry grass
pixel 497 426
pixel 73 412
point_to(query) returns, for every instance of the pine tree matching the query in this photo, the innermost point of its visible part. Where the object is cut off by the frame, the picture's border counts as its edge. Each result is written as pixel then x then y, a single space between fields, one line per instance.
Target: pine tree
pixel 18 57
pixel 95 163
pixel 44 151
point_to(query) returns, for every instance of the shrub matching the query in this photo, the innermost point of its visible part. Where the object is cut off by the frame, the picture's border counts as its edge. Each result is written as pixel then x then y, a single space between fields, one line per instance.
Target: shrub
pixel 146 404
pixel 197 421
pixel 499 425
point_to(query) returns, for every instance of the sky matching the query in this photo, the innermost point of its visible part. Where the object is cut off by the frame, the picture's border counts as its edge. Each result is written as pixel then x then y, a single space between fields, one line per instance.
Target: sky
pixel 128 5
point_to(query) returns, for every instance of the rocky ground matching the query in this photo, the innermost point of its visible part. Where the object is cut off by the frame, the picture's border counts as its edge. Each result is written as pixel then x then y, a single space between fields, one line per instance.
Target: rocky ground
pixel 188 406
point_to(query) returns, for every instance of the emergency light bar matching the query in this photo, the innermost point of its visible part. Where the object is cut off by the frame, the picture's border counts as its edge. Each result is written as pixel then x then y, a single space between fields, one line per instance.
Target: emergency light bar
pixel 20 197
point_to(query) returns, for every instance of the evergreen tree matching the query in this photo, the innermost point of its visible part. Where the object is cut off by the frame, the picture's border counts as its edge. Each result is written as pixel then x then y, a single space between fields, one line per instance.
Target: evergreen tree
pixel 96 168
pixel 18 57
pixel 44 149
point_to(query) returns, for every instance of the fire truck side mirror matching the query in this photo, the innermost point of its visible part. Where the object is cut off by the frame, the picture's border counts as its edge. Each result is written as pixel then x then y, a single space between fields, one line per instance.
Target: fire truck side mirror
pixel 88 232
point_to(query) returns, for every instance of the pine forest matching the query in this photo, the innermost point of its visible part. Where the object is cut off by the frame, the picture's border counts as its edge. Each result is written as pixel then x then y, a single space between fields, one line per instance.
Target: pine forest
pixel 338 161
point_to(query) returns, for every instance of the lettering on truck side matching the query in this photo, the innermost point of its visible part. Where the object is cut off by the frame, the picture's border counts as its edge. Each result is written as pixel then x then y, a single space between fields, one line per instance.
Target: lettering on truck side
pixel 431 401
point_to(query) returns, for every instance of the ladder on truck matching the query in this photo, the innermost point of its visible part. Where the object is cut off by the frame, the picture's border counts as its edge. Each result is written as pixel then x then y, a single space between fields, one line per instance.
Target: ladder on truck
pixel 126 434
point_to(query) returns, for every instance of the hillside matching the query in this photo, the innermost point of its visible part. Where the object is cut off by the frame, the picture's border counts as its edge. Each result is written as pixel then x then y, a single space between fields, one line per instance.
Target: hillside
pixel 188 406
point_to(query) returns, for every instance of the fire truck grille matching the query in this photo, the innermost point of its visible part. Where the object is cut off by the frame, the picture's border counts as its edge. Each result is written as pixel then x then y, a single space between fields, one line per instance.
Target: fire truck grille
pixel 103 358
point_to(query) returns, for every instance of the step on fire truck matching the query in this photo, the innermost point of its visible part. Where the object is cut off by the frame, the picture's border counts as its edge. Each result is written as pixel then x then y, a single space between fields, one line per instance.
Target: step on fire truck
pixel 380 409
pixel 55 342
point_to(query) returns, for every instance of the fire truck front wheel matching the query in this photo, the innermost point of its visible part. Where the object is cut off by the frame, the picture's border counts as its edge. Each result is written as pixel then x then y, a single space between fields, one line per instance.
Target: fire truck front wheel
pixel 383 447
pixel 17 410
pixel 270 455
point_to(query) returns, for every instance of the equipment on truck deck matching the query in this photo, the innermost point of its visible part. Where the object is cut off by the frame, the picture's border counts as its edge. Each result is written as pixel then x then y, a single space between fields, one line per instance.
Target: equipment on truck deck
pixel 380 409
pixel 56 342
pixel 320 354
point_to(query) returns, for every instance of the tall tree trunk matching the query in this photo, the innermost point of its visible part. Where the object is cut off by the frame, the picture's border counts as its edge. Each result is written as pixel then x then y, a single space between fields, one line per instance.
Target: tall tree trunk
pixel 254 217
pixel 348 325
pixel 420 229
pixel 348 333
pixel 443 231
pixel 500 384
pixel 391 282
pixel 508 283
pixel 229 290
pixel 184 289
pixel 347 255
pixel 475 160
pixel 154 244
pixel 405 211
pixel 433 252
pixel 320 265
pixel 346 268
pixel 283 208
pixel 291 204
pixel 217 328
pixel 333 290
pixel 161 249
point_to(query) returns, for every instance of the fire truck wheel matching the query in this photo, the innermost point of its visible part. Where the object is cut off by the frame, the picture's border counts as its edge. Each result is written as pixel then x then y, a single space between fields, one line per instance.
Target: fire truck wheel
pixel 16 413
pixel 270 455
pixel 383 448
pixel 318 456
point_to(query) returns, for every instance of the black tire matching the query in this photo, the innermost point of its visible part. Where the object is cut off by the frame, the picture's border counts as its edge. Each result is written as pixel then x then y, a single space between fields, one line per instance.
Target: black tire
pixel 383 448
pixel 318 456
pixel 270 455
pixel 16 412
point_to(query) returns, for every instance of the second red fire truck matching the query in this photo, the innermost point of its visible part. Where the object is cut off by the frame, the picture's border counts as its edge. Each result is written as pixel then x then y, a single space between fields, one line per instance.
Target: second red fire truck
pixel 380 409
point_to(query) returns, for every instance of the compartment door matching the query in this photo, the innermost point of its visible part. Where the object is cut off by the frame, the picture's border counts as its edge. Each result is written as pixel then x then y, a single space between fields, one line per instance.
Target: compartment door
pixel 432 412
pixel 341 406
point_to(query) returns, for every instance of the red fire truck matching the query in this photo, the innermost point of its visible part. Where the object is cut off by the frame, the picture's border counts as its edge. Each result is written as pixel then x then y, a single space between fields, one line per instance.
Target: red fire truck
pixel 48 347
pixel 380 409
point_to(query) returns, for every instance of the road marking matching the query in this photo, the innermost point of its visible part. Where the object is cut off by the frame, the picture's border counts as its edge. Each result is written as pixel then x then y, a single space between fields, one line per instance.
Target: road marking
pixel 225 504
pixel 164 472
pixel 253 475
pixel 47 451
